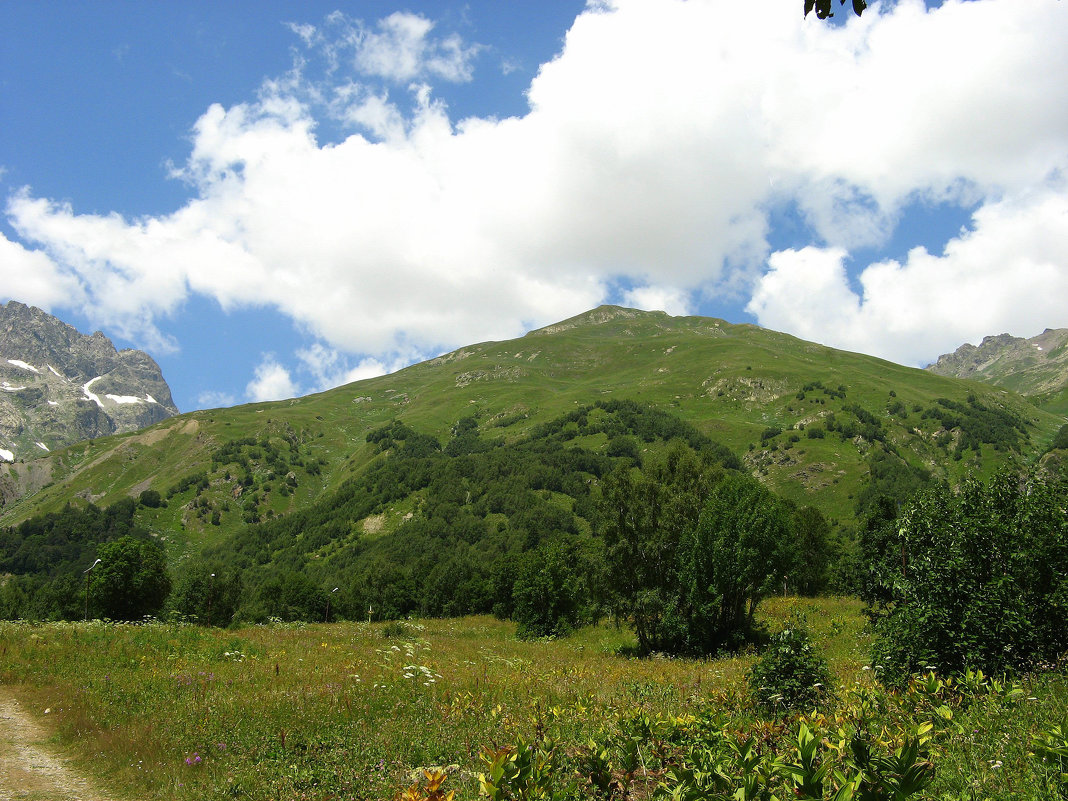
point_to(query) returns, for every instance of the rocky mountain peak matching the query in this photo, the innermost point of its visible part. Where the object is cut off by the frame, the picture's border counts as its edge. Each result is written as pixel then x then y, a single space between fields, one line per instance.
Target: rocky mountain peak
pixel 1034 366
pixel 59 386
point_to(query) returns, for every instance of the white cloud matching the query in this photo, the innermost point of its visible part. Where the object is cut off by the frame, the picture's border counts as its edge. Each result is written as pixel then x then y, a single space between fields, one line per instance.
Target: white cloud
pixel 272 382
pixel 1006 274
pixel 655 145
pixel 213 399
pixel 31 277
pixel 331 369
pixel 658 298
pixel 401 50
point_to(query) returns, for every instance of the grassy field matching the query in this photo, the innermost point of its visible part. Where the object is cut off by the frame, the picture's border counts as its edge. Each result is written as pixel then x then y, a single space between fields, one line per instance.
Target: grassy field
pixel 353 710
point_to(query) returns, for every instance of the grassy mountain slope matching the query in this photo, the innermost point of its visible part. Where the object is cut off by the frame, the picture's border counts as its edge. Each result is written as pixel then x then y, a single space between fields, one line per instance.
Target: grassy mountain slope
pixel 763 394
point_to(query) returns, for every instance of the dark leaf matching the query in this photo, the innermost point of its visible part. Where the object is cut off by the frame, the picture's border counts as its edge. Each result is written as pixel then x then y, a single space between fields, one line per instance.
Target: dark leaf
pixel 859 6
pixel 809 5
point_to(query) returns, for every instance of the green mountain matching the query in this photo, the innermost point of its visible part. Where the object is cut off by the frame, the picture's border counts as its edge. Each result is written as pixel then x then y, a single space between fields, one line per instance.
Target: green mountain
pixel 1036 368
pixel 819 426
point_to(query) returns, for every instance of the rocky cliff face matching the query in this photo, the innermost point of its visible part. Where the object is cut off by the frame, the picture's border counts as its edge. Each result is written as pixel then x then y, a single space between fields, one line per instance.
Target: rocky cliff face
pixel 58 386
pixel 1029 366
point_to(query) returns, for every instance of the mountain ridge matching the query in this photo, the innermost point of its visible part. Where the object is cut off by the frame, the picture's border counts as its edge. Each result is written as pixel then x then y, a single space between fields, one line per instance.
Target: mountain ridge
pixel 815 424
pixel 1036 367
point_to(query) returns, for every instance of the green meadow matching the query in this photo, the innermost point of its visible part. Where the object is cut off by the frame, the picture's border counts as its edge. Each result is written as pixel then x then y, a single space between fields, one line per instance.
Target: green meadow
pixel 354 710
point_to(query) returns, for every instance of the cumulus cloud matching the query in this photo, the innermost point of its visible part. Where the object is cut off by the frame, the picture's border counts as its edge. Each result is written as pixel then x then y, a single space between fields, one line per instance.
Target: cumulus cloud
pixel 658 298
pixel 655 145
pixel 272 382
pixel 31 277
pixel 212 399
pixel 1005 274
pixel 399 48
pixel 329 369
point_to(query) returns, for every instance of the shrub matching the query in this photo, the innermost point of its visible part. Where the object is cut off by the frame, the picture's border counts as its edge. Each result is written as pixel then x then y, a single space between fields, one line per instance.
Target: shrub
pixel 738 553
pixel 791 674
pixel 150 498
pixel 975 579
pixel 396 629
pixel 547 594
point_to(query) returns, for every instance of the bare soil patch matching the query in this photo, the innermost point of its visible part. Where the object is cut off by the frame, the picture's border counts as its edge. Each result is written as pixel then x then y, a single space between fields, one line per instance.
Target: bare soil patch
pixel 30 768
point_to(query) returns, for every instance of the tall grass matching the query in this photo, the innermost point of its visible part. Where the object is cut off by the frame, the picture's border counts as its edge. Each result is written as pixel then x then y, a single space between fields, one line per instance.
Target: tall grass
pixel 344 711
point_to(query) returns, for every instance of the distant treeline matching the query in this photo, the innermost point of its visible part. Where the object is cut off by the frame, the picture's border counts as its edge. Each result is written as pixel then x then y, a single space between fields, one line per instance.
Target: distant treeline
pixel 43 563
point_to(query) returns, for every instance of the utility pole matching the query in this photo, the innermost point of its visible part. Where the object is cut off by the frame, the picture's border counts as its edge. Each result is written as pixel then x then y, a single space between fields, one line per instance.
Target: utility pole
pixel 211 594
pixel 87 572
pixel 328 603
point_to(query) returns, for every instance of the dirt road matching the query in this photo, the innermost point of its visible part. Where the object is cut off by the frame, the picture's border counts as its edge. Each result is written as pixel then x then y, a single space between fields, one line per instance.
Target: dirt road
pixel 31 770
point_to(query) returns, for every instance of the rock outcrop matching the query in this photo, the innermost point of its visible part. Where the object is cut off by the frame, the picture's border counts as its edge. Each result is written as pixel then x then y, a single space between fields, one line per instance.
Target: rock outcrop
pixel 58 386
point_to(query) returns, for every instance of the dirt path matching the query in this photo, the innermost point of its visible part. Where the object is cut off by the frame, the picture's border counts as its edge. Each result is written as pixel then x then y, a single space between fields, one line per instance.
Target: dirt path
pixel 30 770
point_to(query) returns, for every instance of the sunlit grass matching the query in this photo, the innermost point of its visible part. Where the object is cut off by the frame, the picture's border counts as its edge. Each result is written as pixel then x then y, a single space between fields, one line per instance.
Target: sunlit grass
pixel 342 711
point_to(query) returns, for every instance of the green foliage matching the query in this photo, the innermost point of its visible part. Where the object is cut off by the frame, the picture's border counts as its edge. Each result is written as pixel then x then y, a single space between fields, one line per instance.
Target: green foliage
pixel 287 596
pixel 859 423
pixel 812 557
pixel 1051 747
pixel 550 593
pixel 977 423
pixel 338 712
pixel 623 447
pixel 45 557
pixel 478 506
pixel 208 594
pixel 197 480
pixel 150 498
pixel 740 550
pixel 395 629
pixel 131 580
pixel 769 433
pixel 645 520
pixel 791 673
pixel 523 772
pixel 691 550
pixel 1060 441
pixel 891 481
pixel 977 579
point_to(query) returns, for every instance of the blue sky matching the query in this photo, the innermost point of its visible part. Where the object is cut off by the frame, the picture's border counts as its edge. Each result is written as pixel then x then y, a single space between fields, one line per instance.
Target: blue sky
pixel 273 198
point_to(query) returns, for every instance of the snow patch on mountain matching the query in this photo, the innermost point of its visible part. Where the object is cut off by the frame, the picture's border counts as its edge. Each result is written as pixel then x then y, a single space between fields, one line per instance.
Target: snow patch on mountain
pixel 89 395
pixel 23 365
pixel 123 399
pixel 7 456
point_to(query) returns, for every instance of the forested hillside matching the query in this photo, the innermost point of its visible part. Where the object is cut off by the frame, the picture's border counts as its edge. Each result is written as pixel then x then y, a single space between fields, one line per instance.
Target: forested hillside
pixel 450 487
pixel 814 424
